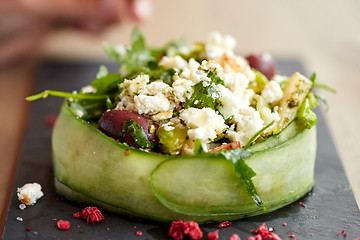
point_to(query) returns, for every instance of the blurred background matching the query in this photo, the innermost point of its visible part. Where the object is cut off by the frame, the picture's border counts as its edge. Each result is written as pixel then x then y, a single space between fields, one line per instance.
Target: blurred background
pixel 324 35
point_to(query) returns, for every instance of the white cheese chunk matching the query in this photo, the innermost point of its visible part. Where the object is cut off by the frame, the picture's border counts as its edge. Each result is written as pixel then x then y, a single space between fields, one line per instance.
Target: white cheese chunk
pixel 272 92
pixel 218 44
pixel 29 193
pixel 157 87
pixel 232 102
pixel 192 73
pixel 248 122
pixel 205 117
pixel 182 89
pixel 204 124
pixel 175 62
pixel 135 85
pixel 151 105
pixel 235 81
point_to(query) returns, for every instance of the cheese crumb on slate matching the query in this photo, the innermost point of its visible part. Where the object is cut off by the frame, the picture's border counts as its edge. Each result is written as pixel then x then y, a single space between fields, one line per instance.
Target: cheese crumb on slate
pixel 29 193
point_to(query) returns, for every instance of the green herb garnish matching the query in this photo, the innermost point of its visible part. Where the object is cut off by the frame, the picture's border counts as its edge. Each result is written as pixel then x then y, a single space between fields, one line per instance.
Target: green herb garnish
pixel 137 133
pixel 206 96
pixel 46 93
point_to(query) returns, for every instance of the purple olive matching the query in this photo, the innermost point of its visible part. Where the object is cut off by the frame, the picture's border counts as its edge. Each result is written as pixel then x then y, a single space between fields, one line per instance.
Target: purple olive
pixel 263 62
pixel 111 123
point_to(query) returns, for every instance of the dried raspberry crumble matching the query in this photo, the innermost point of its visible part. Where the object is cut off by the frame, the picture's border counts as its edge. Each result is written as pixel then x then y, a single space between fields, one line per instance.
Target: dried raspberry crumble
pixel 224 224
pixel 263 233
pixel 63 225
pixel 138 233
pixel 50 120
pixel 91 215
pixel 234 237
pixel 213 235
pixel 179 229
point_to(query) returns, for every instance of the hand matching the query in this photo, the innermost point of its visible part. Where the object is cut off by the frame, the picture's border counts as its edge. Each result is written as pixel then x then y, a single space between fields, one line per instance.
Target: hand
pixel 24 23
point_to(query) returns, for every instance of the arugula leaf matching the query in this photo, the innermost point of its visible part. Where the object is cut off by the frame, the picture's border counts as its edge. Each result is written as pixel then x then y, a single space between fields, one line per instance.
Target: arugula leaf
pixel 325 87
pixel 306 115
pixel 255 136
pixel 103 71
pixel 139 54
pixel 322 99
pixel 321 85
pixel 46 93
pixel 155 74
pixel 198 149
pixel 244 172
pixel 107 83
pixel 313 78
pixel 112 53
pixel 137 133
pixel 90 110
pixel 206 96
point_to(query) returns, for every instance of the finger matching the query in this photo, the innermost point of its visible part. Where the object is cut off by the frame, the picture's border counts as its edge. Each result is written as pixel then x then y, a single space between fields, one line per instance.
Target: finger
pixel 103 11
pixel 23 44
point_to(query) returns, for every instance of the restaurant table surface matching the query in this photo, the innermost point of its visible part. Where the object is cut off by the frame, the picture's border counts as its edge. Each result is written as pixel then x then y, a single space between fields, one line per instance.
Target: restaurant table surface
pixel 331 48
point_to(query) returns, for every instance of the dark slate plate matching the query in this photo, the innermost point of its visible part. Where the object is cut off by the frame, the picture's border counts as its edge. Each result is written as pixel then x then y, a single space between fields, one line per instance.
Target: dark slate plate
pixel 330 207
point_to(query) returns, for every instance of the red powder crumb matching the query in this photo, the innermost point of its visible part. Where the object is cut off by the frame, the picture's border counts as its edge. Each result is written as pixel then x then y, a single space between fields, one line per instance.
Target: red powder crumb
pixel 234 237
pixel 311 234
pixel 91 215
pixel 338 233
pixel 50 120
pixel 29 228
pixel 138 233
pixel 179 229
pixel 213 235
pixel 224 224
pixel 345 234
pixel 54 219
pixel 134 226
pixel 263 233
pixel 302 204
pixel 63 225
pixel 284 224
pixel 342 231
pixel 291 235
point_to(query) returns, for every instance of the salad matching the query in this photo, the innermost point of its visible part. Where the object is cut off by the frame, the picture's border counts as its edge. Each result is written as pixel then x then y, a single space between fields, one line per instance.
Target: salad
pixel 191 132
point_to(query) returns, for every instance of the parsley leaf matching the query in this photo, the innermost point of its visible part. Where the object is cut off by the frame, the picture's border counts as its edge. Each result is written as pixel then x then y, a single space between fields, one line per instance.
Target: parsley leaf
pixel 206 96
pixel 137 133
pixel 107 83
pixel 244 172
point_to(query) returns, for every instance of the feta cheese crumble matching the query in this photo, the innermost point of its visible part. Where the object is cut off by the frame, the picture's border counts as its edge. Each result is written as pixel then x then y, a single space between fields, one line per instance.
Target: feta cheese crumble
pixel 272 92
pixel 29 193
pixel 204 124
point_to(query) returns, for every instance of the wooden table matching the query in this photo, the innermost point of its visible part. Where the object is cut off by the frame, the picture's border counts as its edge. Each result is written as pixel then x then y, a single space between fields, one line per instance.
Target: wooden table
pixel 16 83
pixel 320 33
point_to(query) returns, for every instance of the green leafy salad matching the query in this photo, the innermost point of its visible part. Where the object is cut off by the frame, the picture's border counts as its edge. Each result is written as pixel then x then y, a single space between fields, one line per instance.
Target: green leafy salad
pixel 184 103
